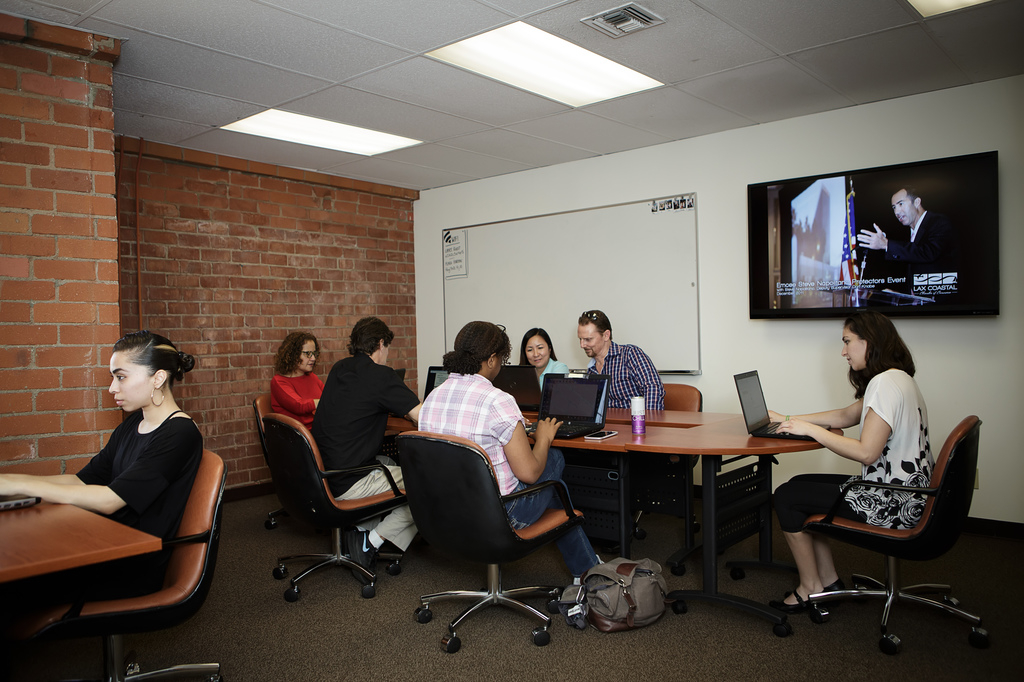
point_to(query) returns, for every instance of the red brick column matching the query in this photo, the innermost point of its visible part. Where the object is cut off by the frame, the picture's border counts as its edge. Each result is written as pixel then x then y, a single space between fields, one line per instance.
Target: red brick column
pixel 58 244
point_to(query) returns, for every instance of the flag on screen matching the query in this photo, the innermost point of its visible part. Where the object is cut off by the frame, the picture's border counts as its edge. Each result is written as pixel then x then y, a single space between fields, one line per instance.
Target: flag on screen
pixel 849 267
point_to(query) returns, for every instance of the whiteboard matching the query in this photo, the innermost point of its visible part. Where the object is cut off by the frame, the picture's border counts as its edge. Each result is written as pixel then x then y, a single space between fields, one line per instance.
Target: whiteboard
pixel 635 261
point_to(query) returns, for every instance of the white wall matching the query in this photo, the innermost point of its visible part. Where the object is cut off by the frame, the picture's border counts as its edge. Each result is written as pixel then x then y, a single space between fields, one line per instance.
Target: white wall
pixel 965 366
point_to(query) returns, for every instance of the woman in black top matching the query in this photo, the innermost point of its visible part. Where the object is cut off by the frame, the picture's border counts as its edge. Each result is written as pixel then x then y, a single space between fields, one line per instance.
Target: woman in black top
pixel 143 475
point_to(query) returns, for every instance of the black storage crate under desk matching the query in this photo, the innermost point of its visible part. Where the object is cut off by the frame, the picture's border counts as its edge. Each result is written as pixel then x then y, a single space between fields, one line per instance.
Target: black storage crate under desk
pixel 595 492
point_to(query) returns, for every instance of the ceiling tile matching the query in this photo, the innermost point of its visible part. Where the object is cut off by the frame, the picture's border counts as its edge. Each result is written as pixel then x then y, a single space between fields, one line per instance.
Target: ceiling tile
pixel 257 32
pixel 166 61
pixel 517 147
pixel 586 131
pixel 895 63
pixel 454 160
pixel 375 169
pixel 146 97
pixel 417 26
pixel 669 112
pixel 984 40
pixel 451 90
pixel 791 25
pixel 155 128
pixel 767 91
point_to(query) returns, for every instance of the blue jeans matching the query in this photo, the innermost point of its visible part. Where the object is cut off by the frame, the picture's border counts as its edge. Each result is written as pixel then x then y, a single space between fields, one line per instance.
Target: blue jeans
pixel 576 549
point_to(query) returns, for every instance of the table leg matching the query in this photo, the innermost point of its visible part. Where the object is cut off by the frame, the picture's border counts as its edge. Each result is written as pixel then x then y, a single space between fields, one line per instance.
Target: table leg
pixel 711 466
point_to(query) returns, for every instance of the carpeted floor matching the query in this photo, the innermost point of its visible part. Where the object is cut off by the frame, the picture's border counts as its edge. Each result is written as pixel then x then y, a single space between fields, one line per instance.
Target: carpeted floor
pixel 332 633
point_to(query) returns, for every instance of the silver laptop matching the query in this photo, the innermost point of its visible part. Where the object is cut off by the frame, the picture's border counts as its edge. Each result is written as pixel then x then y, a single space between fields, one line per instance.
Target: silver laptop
pixel 755 411
pixel 578 402
pixel 17 501
pixel 520 381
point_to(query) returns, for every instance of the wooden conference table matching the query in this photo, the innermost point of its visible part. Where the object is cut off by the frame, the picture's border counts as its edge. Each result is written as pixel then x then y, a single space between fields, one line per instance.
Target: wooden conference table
pixel 47 537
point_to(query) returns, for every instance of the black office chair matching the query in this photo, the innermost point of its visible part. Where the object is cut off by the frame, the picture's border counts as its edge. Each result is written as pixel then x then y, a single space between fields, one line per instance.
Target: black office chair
pixel 186 584
pixel 659 483
pixel 302 485
pixel 949 501
pixel 261 406
pixel 459 509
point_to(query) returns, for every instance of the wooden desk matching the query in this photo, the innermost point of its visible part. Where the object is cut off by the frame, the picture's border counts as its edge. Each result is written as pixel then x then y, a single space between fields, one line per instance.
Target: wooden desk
pixel 669 418
pixel 53 537
pixel 736 503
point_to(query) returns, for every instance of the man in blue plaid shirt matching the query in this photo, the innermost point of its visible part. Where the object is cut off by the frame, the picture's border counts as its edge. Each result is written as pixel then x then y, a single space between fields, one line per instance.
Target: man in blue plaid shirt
pixel 632 372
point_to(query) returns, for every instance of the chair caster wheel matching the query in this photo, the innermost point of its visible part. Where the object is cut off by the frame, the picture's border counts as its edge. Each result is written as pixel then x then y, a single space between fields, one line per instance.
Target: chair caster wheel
pixel 639 533
pixel 679 606
pixel 394 568
pixel 270 524
pixel 552 606
pixel 678 569
pixel 541 636
pixel 818 614
pixel 783 629
pixel 450 644
pixel 281 572
pixel 890 644
pixel 737 573
pixel 368 592
pixel 978 638
pixel 291 594
pixel 422 614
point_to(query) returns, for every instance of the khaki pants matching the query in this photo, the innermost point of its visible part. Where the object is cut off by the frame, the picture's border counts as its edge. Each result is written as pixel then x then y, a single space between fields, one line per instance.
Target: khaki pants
pixel 397 526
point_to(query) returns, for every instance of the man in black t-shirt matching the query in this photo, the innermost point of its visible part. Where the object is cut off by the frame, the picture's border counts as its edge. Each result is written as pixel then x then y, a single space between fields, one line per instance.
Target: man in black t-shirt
pixel 349 426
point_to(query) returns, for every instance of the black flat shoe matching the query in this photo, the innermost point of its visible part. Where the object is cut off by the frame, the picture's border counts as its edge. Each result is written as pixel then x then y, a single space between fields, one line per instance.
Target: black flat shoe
pixel 834 587
pixel 799 607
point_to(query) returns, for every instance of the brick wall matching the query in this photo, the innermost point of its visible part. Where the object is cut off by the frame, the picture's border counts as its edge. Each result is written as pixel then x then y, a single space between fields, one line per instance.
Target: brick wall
pixel 58 245
pixel 236 254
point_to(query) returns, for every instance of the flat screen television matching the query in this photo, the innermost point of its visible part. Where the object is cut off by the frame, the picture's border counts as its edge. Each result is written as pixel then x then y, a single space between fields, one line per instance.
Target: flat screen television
pixel 829 245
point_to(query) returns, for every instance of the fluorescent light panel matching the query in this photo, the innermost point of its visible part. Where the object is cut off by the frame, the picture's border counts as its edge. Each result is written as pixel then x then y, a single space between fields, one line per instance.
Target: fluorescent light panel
pixel 929 8
pixel 317 132
pixel 528 58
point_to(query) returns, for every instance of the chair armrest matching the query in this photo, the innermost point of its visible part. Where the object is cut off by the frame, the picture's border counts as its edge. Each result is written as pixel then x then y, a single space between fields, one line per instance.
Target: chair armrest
pixel 860 483
pixel 188 539
pixel 364 469
pixel 560 489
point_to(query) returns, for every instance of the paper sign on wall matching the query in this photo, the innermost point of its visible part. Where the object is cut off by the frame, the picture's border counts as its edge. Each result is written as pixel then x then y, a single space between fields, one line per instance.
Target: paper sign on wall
pixel 456 254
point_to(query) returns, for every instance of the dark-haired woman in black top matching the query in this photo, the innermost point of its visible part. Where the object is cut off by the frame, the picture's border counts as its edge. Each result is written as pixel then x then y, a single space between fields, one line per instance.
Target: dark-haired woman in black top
pixel 143 475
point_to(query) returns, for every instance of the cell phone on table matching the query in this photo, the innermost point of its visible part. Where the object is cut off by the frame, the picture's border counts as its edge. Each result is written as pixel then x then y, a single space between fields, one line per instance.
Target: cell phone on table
pixel 600 435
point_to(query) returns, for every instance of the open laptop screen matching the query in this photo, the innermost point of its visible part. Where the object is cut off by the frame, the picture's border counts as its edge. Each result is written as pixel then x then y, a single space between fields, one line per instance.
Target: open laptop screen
pixel 574 399
pixel 755 412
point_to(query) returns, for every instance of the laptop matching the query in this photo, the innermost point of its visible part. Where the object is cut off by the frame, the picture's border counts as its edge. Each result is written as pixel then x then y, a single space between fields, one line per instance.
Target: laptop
pixel 755 411
pixel 578 402
pixel 16 501
pixel 520 381
pixel 435 377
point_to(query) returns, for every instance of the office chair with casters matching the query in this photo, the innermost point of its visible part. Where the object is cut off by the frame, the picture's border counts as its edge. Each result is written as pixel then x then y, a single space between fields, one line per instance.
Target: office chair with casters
pixel 262 407
pixel 459 509
pixel 650 473
pixel 945 513
pixel 302 485
pixel 187 581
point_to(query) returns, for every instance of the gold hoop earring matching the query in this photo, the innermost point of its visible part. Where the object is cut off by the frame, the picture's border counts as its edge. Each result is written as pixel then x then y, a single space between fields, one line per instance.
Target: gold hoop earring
pixel 162 398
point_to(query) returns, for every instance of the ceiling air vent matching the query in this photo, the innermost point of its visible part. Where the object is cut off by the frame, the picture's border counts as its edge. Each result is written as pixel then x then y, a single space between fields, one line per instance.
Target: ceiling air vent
pixel 623 20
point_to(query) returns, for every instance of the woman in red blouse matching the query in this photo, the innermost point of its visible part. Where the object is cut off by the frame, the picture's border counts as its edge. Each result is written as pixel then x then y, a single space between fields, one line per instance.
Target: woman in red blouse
pixel 295 389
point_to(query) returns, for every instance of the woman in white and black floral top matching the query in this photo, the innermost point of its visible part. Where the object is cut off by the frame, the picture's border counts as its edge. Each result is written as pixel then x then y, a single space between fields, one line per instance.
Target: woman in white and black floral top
pixel 893 447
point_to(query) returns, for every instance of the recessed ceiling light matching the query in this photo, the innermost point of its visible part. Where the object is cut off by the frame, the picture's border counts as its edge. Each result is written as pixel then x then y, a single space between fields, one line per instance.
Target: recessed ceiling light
pixel 317 132
pixel 929 8
pixel 528 58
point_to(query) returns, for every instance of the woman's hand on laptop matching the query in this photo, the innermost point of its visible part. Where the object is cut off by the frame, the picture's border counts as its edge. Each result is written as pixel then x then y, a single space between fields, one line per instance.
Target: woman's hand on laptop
pixel 546 429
